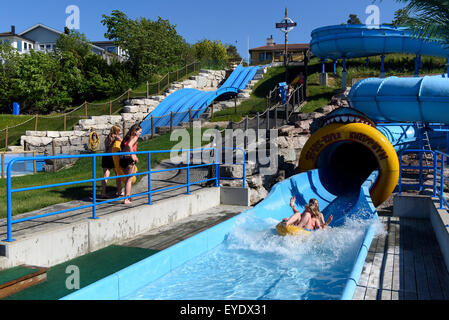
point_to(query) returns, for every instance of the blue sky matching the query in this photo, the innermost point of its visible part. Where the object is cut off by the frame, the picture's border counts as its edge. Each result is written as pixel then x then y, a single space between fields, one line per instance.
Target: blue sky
pixel 234 22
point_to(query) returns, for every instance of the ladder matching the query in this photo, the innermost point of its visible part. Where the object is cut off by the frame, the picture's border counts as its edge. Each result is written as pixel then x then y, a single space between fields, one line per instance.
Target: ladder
pixel 425 143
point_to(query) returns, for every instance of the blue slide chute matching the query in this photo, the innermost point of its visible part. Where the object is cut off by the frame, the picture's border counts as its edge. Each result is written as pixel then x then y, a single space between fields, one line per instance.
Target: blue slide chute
pixel 356 41
pixel 182 100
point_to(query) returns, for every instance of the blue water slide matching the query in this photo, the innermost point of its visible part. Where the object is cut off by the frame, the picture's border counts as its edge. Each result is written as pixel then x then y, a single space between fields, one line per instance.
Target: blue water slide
pixel 395 99
pixel 182 100
pixel 276 206
pixel 355 41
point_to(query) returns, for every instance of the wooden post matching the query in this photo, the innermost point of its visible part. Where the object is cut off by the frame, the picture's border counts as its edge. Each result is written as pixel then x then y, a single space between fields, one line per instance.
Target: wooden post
pixel 3 165
pixel 245 138
pixel 53 149
pixel 65 122
pixel 85 108
pixel 35 122
pixel 6 138
pixel 235 104
pixel 110 108
pixel 168 78
pixel 129 90
pixel 148 90
pixel 34 162
pixel 152 127
pixel 257 129
pixel 190 118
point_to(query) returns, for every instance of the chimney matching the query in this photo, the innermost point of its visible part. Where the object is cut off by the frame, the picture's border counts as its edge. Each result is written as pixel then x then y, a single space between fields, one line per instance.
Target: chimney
pixel 270 41
pixel 13 29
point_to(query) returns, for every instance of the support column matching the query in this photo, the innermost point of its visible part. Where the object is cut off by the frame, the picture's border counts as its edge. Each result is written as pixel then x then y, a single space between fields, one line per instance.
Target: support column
pixel 382 67
pixel 323 74
pixel 343 75
pixel 417 59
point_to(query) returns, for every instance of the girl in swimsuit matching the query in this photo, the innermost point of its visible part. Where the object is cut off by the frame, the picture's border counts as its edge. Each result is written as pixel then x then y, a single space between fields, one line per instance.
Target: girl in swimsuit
pixel 310 219
pixel 128 162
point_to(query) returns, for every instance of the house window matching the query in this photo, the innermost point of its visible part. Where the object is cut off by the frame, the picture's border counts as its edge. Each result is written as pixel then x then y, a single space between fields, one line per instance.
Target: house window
pixel 262 56
pixel 269 56
pixel 42 47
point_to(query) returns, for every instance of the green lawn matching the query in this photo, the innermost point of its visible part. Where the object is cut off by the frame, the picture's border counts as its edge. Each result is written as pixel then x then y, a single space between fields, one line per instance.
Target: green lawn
pixel 33 200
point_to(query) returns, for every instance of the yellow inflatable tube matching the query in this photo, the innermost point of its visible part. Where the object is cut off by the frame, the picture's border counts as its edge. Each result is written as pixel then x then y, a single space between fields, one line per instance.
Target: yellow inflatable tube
pixel 369 137
pixel 115 149
pixel 283 230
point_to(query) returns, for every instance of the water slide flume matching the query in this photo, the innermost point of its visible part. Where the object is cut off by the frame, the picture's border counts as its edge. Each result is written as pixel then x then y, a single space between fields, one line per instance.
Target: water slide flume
pixel 179 102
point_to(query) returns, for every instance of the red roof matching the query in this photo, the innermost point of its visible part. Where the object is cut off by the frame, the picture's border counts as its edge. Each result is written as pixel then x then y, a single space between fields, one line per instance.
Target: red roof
pixel 281 47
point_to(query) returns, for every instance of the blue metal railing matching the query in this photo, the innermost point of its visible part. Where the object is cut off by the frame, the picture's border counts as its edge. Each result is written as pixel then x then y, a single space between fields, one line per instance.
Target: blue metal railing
pixel 94 180
pixel 439 162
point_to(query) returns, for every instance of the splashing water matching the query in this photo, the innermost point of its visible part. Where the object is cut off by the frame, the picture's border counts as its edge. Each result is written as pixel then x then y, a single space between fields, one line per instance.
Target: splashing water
pixel 254 263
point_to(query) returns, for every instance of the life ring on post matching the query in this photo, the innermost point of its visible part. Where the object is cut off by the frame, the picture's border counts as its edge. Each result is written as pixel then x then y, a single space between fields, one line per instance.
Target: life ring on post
pixel 94 141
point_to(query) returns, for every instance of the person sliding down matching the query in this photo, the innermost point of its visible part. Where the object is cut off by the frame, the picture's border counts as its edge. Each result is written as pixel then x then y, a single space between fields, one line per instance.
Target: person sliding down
pixel 311 219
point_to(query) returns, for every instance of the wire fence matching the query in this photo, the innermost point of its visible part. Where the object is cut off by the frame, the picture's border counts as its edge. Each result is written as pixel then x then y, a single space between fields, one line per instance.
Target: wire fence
pixel 10 136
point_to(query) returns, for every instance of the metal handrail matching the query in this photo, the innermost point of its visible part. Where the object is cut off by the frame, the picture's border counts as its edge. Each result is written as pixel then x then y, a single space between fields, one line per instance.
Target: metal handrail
pixel 94 180
pixel 438 173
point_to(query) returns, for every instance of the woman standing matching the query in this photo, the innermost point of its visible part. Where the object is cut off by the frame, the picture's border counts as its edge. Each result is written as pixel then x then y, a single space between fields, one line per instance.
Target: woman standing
pixel 107 162
pixel 128 162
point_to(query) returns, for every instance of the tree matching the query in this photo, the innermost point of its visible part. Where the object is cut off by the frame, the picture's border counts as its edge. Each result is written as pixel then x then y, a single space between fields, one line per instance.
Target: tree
pixel 211 53
pixel 353 19
pixel 400 17
pixel 232 53
pixel 8 63
pixel 152 46
pixel 427 18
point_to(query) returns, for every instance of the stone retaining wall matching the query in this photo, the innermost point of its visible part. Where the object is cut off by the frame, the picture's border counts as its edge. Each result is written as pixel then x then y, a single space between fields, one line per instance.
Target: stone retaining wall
pixel 135 111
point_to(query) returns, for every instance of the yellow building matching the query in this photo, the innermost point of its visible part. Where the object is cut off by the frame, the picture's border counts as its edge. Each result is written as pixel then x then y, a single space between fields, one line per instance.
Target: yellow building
pixel 273 52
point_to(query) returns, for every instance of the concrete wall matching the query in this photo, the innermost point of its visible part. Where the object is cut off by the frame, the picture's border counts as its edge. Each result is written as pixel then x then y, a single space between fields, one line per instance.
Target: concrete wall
pixel 64 243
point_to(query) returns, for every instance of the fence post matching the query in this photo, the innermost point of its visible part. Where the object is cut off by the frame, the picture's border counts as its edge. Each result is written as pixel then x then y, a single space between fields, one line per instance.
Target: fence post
pixel 85 108
pixel 3 165
pixel 6 138
pixel 129 90
pixel 53 149
pixel 149 175
pixel 35 122
pixel 110 108
pixel 34 163
pixel 188 171
pixel 235 104
pixel 245 138
pixel 65 122
pixel 190 118
pixel 148 93
pixel 257 129
pixel 152 127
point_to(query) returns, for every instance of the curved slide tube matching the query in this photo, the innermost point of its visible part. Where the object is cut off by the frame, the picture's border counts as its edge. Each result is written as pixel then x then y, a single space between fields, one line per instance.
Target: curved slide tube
pixel 182 100
pixel 396 99
pixel 355 41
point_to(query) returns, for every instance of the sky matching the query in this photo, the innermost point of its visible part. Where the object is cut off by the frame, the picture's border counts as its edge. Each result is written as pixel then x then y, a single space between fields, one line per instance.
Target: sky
pixel 243 23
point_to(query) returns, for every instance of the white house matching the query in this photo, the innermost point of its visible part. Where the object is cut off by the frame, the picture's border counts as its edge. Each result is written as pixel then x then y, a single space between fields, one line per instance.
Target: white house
pixel 43 38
